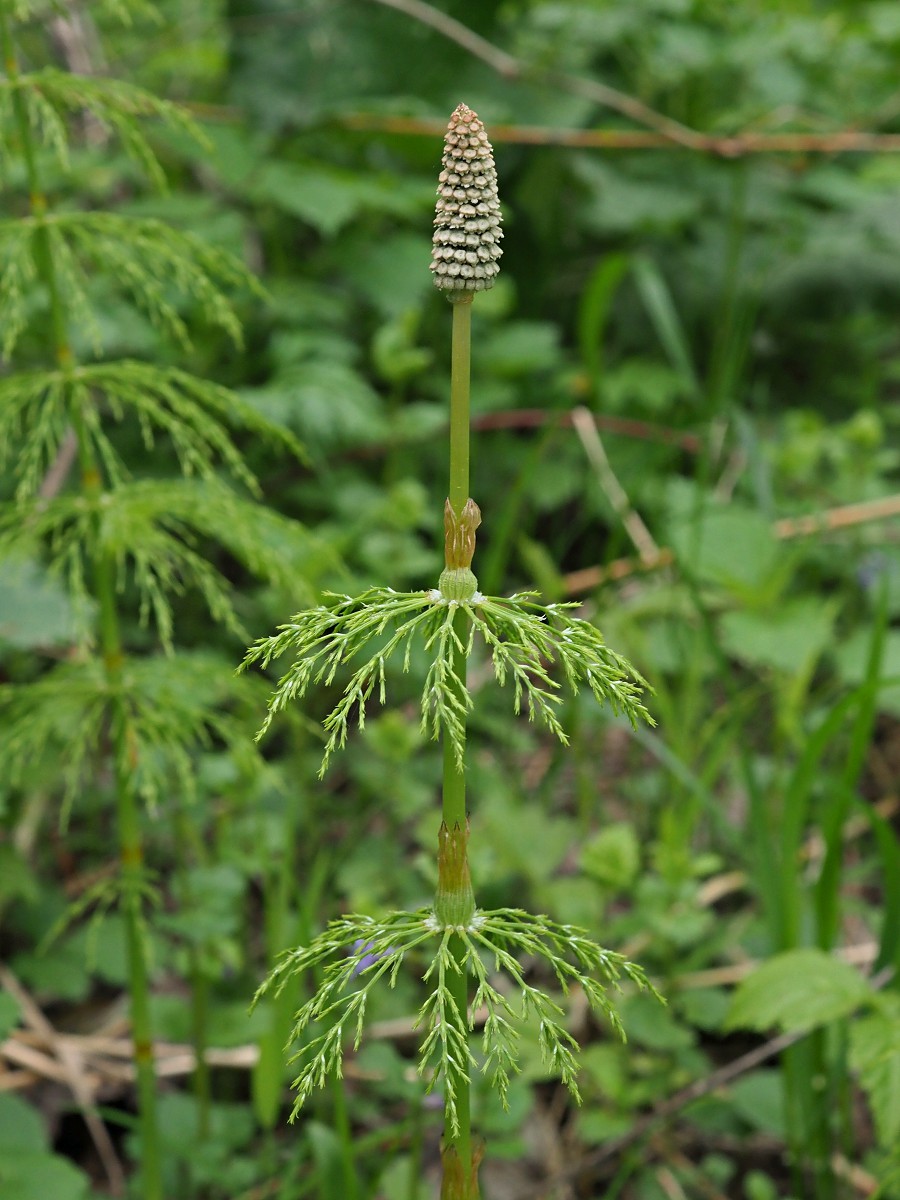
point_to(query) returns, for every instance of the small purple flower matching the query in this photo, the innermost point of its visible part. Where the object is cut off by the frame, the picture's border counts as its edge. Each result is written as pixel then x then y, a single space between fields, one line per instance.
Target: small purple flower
pixel 872 570
pixel 366 960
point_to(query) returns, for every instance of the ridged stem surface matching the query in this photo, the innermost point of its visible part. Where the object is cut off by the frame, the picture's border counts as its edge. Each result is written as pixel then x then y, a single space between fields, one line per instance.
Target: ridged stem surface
pixel 454 781
pixel 460 359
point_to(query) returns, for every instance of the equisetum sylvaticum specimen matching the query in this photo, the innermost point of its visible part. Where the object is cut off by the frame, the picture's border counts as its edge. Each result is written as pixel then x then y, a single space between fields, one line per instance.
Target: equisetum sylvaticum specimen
pixel 124 727
pixel 470 959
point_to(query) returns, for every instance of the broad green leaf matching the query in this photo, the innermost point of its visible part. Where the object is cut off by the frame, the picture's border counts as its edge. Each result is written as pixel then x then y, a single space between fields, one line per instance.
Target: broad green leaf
pixel 639 385
pixel 875 1054
pixel 661 309
pixel 759 1098
pixel 612 856
pixel 541 568
pixel 209 904
pixel 797 991
pixel 231 1125
pixel 733 547
pixel 9 1014
pixel 29 1176
pixel 35 609
pixel 519 348
pixel 604 1064
pixel 323 197
pixel 522 839
pixel 788 638
pixel 17 879
pixel 328 197
pixel 651 1025
pixel 395 355
pixel 328 1155
pixel 267 1077
pixel 624 203
pixel 704 1008
pixel 852 658
pixel 329 401
pixel 595 308
pixel 21 1127
pixel 391 272
pixel 395 1179
pixel 884 18
pixel 61 973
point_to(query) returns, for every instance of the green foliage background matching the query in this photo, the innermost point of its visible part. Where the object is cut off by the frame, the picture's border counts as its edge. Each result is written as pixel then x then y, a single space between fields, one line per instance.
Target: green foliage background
pixel 741 313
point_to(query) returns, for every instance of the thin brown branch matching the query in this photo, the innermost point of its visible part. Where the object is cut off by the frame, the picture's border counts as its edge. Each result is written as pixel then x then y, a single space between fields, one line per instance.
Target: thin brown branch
pixel 513 68
pixel 79 46
pixel 498 60
pixel 55 479
pixel 585 426
pixel 738 145
pixel 534 418
pixel 72 1073
pixel 588 578
pixel 843 517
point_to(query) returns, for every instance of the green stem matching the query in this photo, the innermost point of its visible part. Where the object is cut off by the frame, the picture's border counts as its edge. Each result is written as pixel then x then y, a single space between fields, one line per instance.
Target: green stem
pixel 454 813
pixel 460 359
pixel 416 1147
pixel 190 854
pixel 131 851
pixel 37 199
pixel 130 843
pixel 341 1113
pixel 199 1026
pixel 454 783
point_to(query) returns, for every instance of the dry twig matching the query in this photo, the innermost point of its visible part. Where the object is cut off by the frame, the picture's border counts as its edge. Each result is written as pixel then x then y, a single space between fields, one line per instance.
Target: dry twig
pixel 586 427
pixel 513 68
pixel 731 146
pixel 71 1071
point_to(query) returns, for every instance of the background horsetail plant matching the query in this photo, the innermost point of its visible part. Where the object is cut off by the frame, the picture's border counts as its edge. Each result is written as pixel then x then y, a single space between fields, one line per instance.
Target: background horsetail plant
pixel 107 534
pixel 464 949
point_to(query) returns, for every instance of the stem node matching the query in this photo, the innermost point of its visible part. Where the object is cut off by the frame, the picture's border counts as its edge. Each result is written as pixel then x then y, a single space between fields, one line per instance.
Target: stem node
pixel 454 903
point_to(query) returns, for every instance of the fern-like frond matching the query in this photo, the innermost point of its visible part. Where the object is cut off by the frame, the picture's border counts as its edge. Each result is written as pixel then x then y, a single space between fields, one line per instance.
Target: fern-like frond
pixel 176 707
pixel 152 531
pixel 34 417
pixel 60 719
pixel 51 96
pixel 99 900
pixel 36 409
pixel 354 952
pixel 525 638
pixel 171 708
pixel 18 277
pixel 331 635
pixel 157 266
pixel 523 634
pixel 125 11
pixel 351 949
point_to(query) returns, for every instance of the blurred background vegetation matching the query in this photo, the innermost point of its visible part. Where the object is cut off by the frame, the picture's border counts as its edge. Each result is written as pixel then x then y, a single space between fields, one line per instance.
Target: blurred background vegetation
pixel 686 399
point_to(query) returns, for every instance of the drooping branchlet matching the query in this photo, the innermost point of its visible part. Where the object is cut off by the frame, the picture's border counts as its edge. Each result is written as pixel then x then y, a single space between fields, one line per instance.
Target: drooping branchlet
pixel 466 243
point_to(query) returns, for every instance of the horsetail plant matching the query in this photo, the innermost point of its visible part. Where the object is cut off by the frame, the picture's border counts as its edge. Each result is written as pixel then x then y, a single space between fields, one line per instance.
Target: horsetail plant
pixel 146 714
pixel 470 959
